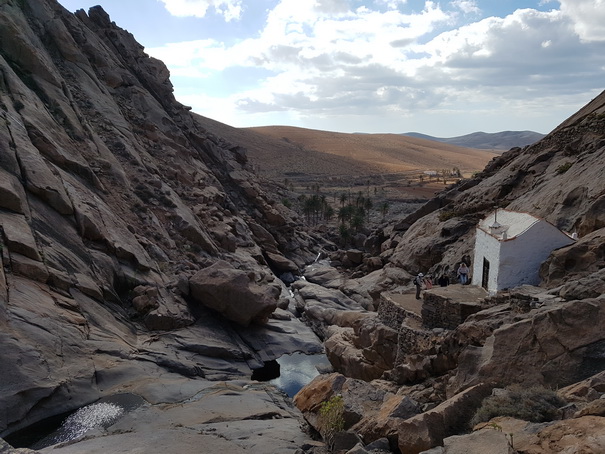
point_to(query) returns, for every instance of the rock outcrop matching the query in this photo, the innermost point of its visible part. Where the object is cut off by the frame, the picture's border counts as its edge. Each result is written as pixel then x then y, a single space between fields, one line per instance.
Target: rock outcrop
pixel 129 234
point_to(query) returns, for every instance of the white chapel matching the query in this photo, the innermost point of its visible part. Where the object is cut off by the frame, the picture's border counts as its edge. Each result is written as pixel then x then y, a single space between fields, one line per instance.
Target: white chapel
pixel 510 247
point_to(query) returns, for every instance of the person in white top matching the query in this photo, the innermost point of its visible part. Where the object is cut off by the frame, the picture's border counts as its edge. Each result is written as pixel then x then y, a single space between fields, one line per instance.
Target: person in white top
pixel 463 273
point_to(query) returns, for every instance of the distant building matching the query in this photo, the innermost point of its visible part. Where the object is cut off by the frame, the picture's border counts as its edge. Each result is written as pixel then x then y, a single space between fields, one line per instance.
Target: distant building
pixel 431 173
pixel 510 247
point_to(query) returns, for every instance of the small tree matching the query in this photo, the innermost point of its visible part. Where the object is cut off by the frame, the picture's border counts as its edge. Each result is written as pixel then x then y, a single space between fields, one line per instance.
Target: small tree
pixel 345 233
pixel 384 209
pixel 358 219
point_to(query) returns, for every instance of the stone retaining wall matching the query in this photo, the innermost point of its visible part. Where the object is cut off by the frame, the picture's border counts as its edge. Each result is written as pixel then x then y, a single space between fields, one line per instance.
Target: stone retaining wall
pixel 442 312
pixel 392 314
pixel 409 339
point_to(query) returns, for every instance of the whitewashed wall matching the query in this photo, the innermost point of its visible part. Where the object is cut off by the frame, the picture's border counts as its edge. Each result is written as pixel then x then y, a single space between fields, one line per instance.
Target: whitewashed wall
pixel 486 246
pixel 521 257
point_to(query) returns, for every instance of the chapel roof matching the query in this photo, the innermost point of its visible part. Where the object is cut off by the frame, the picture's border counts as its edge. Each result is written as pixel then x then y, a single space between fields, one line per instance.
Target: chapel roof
pixel 513 222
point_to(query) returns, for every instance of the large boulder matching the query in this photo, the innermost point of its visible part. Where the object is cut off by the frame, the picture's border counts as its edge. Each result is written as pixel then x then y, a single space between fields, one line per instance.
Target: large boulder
pixel 234 293
pixel 397 419
pixel 569 436
pixel 489 440
pixel 429 429
pixel 346 358
pixel 363 349
pixel 561 344
pixel 360 399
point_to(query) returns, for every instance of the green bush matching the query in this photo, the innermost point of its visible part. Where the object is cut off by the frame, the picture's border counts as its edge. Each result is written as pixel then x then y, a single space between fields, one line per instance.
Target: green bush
pixel 534 404
pixel 331 418
pixel 564 168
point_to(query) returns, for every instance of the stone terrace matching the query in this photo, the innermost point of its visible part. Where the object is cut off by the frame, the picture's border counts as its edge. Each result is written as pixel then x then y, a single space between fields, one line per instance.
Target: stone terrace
pixel 447 307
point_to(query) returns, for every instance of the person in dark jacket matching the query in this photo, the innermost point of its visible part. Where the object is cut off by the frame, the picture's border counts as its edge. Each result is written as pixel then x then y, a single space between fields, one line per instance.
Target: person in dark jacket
pixel 418 283
pixel 443 280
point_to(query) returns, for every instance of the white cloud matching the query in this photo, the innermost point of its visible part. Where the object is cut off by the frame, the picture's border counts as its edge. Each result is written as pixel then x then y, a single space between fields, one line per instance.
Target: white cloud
pixel 192 58
pixel 392 4
pixel 466 6
pixel 588 17
pixel 318 60
pixel 229 9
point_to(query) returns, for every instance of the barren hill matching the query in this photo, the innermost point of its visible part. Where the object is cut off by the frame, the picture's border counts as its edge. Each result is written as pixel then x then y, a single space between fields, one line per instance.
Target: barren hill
pixel 501 141
pixel 377 153
pixel 276 157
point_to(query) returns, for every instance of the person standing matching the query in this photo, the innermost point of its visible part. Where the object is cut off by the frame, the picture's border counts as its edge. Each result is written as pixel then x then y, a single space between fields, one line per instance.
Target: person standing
pixel 463 272
pixel 418 283
pixel 428 281
pixel 444 281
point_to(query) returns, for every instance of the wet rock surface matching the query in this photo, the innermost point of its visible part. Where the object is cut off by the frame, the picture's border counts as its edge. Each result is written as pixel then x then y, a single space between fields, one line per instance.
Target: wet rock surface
pixel 181 415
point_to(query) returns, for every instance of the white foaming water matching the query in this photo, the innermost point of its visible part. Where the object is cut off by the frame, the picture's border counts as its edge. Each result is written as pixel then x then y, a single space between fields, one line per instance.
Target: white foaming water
pixel 92 416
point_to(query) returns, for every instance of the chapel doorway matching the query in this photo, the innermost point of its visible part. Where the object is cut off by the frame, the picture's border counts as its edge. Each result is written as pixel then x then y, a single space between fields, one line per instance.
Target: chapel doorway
pixel 485 275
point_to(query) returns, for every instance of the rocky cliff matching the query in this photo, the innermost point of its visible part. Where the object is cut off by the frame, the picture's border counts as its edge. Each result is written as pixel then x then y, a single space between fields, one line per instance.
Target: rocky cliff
pixel 114 202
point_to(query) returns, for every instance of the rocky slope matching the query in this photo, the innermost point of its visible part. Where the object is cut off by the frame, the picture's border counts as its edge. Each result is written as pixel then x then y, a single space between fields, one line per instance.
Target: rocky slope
pixel 126 229
pixel 556 179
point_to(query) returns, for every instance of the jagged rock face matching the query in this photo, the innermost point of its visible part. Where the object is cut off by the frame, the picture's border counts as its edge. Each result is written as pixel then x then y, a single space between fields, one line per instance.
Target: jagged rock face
pixel 556 346
pixel 111 197
pixel 557 179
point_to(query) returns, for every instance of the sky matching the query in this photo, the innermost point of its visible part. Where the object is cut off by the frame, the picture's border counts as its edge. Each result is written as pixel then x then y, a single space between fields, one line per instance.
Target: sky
pixel 443 68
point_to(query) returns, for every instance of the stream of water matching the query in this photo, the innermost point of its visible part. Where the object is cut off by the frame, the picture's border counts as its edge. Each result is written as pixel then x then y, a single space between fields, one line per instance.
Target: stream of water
pixel 297 370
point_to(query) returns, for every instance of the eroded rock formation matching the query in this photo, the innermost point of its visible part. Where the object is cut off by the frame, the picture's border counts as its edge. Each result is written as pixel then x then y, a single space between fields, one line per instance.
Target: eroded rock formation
pixel 115 207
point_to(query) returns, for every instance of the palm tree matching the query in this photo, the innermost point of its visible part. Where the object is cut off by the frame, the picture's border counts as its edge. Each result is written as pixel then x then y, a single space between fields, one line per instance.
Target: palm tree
pixel 384 209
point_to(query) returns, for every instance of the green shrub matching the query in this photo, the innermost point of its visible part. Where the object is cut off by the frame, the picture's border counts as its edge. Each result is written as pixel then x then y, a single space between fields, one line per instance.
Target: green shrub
pixel 564 168
pixel 534 404
pixel 448 214
pixel 331 420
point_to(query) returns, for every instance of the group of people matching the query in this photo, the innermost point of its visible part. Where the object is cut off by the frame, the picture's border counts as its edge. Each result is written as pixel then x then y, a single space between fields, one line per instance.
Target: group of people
pixel 420 281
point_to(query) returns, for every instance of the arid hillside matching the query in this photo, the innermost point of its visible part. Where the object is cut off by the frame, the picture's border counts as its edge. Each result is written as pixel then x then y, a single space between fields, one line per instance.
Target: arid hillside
pixel 280 150
pixel 378 152
pixel 339 162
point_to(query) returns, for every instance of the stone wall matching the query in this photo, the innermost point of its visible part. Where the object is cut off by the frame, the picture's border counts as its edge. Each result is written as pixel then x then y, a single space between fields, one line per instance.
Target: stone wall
pixel 411 338
pixel 393 315
pixel 411 341
pixel 442 312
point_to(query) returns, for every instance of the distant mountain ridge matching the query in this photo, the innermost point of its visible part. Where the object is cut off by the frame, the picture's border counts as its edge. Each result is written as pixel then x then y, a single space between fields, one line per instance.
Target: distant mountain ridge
pixel 504 140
